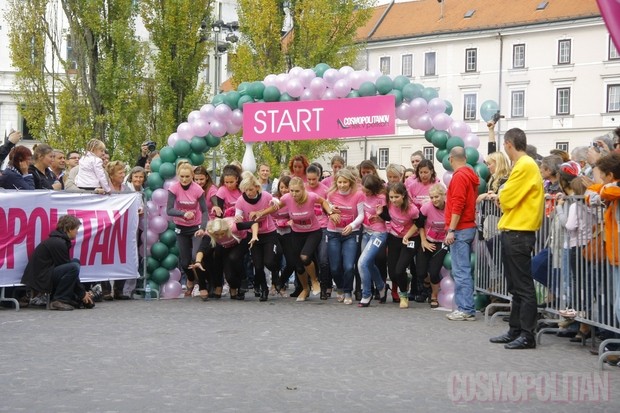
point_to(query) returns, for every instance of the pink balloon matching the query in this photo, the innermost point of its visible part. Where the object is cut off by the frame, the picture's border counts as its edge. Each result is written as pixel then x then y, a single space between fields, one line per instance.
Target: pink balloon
pixel 447 177
pixel 307 95
pixel 218 128
pixel 341 88
pixel 418 107
pixel 294 87
pixel 160 197
pixel 459 128
pixel 158 224
pixel 208 112
pixel 200 127
pixel 173 139
pixel 472 141
pixel 446 300
pixel 152 208
pixel 222 112
pixel 331 76
pixel 306 76
pixel 442 121
pixel 444 272
pixel 436 106
pixel 270 80
pixel 403 111
pixel 150 237
pixel 169 182
pixel 185 132
pixel 447 285
pixel 372 76
pixel 295 71
pixel 171 290
pixel 281 81
pixel 356 79
pixel 328 95
pixel 237 117
pixel 346 70
pixel 318 86
pixel 424 122
pixel 193 115
pixel 232 128
pixel 175 274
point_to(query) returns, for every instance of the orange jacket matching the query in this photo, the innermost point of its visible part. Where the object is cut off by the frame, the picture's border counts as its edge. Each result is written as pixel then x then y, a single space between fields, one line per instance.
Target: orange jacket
pixel 610 194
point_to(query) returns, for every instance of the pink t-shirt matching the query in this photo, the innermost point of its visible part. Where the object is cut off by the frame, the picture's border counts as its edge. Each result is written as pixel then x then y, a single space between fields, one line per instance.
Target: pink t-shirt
pixel 327 182
pixel 236 235
pixel 418 192
pixel 187 200
pixel 402 221
pixel 302 215
pixel 281 219
pixel 320 190
pixel 435 226
pixel 410 181
pixel 370 210
pixel 347 204
pixel 265 223
pixel 230 199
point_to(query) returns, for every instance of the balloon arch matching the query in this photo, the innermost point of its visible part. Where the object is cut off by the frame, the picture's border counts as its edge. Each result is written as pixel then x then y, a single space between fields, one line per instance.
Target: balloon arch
pixel 418 105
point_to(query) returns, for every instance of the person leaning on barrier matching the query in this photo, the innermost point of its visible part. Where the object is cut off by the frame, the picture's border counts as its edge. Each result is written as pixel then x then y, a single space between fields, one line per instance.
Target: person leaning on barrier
pixel 50 269
pixel 521 200
pixel 16 175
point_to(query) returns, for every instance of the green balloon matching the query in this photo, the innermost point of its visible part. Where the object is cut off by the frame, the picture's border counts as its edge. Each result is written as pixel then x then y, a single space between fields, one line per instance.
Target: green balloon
pixel 168 237
pixel 367 89
pixel 398 96
pixel 472 156
pixel 447 261
pixel 167 154
pixel 217 99
pixel 232 98
pixel 353 94
pixel 243 100
pixel 482 170
pixel 446 163
pixel 481 301
pixel 472 260
pixel 243 88
pixel 440 154
pixel 412 91
pixel 151 264
pixel 170 262
pixel 182 148
pixel 256 90
pixel 271 94
pixel 172 225
pixel 320 69
pixel 453 142
pixel 400 82
pixel 449 107
pixel 483 187
pixel 174 250
pixel 384 84
pixel 159 251
pixel 440 139
pixel 154 181
pixel 148 193
pixel 212 141
pixel 155 164
pixel 160 275
pixel 167 170
pixel 196 159
pixel 154 288
pixel 428 135
pixel 198 144
pixel 429 93
pixel 285 97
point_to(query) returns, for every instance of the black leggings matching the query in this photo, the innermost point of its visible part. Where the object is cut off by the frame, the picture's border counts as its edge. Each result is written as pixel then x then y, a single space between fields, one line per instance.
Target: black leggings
pixel 213 274
pixel 290 258
pixel 232 262
pixel 399 257
pixel 305 244
pixel 185 242
pixel 266 252
pixel 430 262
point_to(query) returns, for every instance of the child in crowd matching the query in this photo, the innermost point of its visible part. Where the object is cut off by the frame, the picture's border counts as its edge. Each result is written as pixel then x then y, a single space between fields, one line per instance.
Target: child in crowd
pixel 91 174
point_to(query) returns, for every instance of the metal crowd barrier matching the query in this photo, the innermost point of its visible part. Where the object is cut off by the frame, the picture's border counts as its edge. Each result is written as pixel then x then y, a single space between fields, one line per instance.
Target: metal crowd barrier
pixel 571 268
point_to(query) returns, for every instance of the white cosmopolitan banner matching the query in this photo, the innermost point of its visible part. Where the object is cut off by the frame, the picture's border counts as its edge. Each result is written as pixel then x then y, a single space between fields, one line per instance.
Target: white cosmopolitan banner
pixel 106 243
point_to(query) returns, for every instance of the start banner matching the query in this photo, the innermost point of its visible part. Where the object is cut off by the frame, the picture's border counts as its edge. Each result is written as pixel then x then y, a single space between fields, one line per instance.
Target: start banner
pixel 319 119
pixel 106 243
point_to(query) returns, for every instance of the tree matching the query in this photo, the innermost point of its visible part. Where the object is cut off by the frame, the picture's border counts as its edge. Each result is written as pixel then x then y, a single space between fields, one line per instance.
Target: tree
pixel 323 31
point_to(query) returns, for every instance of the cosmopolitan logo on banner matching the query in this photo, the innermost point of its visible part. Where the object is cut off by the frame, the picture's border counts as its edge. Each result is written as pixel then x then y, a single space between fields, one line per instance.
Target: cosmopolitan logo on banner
pixel 319 119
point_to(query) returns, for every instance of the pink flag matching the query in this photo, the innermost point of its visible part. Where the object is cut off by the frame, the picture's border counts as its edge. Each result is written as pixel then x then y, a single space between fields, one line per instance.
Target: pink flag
pixel 610 10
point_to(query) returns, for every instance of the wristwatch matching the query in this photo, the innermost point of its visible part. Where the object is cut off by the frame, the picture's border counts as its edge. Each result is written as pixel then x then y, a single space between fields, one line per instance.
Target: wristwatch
pixel 451 230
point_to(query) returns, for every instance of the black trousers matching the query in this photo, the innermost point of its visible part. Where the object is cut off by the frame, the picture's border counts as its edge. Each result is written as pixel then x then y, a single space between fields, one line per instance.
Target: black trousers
pixel 232 262
pixel 66 285
pixel 517 248
pixel 430 262
pixel 289 251
pixel 399 258
pixel 266 252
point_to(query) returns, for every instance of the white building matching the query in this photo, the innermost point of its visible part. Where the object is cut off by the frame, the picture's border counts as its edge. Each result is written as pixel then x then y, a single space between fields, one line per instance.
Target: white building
pixel 550 65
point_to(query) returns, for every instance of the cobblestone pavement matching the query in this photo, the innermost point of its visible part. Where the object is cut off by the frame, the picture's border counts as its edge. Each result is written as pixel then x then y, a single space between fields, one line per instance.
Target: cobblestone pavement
pixel 283 356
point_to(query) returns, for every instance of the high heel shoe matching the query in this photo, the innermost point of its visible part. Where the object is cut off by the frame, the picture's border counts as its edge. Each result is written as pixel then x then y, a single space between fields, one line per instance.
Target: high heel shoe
pixel 303 295
pixel 264 294
pixel 383 298
pixel 365 302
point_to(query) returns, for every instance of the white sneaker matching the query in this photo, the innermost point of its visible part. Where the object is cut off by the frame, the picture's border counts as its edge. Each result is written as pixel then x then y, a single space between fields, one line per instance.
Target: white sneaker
pixel 460 316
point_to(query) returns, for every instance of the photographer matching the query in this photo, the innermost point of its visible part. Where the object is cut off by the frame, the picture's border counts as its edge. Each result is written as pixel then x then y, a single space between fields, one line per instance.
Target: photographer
pixel 146 148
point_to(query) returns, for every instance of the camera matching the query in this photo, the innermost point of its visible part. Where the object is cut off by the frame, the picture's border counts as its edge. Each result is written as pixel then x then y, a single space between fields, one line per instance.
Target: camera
pixel 497 116
pixel 150 144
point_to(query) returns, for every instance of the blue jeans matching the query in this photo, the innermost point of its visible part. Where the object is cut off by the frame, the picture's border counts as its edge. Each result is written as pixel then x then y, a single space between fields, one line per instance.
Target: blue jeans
pixel 460 251
pixel 342 252
pixel 371 246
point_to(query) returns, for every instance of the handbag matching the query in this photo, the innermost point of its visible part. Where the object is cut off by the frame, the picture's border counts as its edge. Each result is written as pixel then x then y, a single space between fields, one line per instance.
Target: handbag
pixel 594 250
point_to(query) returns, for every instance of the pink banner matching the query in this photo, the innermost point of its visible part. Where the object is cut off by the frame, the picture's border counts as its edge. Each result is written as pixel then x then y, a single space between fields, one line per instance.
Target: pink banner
pixel 610 10
pixel 319 119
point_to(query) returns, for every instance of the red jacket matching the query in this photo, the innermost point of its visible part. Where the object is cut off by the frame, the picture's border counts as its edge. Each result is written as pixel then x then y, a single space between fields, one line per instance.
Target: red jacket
pixel 461 197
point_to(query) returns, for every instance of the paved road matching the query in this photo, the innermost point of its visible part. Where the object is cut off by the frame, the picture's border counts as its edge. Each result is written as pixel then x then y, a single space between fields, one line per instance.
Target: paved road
pixel 282 356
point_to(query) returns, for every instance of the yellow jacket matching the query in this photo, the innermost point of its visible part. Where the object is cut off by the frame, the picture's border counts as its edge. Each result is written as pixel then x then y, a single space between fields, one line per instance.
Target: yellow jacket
pixel 522 197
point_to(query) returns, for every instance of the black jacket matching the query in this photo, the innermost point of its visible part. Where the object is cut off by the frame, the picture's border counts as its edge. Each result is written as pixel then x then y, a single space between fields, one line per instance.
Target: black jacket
pixel 42 180
pixel 47 255
pixel 12 179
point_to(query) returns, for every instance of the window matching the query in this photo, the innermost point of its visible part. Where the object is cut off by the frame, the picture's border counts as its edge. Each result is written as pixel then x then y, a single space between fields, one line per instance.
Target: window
pixel 562 101
pixel 564 52
pixel 517 108
pixel 343 153
pixel 71 62
pixel 429 152
pixel 24 126
pixel 471 60
pixel 613 98
pixel 429 64
pixel 384 65
pixel 469 106
pixel 613 51
pixel 563 146
pixel 384 158
pixel 407 65
pixel 518 56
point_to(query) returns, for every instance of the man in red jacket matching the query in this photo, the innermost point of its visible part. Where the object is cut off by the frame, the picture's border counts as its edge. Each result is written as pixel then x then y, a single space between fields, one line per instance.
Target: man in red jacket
pixel 461 219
